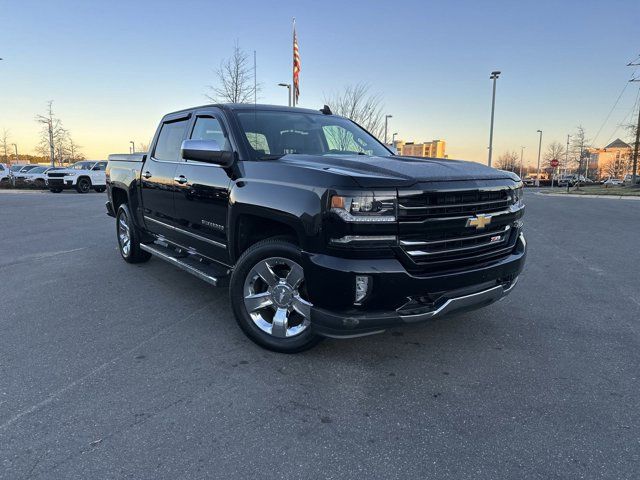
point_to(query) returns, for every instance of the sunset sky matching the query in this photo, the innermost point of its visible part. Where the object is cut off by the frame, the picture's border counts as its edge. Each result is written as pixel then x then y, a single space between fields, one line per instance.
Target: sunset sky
pixel 114 68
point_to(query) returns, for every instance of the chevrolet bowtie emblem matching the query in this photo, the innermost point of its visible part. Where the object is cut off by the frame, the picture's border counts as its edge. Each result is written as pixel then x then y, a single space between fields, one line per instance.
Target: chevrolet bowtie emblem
pixel 479 221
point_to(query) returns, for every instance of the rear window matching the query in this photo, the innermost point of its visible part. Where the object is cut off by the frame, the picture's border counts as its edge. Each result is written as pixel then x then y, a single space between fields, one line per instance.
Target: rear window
pixel 170 141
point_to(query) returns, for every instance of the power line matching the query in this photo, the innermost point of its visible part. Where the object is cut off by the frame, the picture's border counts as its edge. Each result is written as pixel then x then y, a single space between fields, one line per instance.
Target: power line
pixel 625 118
pixel 626 84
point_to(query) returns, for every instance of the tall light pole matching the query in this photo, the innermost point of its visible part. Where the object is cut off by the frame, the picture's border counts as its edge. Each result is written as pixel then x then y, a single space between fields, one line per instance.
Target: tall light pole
pixel 393 138
pixel 634 174
pixel 566 156
pixel 386 125
pixel 133 146
pixel 494 76
pixel 539 151
pixel 521 157
pixel 288 85
pixel 16 149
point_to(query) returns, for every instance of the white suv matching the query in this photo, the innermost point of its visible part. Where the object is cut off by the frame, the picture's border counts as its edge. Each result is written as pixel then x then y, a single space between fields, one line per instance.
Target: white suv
pixel 82 176
pixel 4 173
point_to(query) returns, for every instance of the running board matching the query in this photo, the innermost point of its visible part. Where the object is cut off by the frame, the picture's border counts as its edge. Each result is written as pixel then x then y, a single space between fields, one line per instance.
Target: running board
pixel 216 276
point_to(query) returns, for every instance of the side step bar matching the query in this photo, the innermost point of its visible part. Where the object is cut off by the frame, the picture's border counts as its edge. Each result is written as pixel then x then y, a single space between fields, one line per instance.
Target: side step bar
pixel 216 276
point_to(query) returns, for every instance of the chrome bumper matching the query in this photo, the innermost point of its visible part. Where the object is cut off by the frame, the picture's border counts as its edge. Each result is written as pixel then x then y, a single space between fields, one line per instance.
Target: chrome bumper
pixel 465 302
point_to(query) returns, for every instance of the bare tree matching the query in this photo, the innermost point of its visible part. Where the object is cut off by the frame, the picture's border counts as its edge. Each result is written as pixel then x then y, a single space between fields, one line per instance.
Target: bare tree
pixel 5 146
pixel 143 147
pixel 619 166
pixel 358 104
pixel 75 151
pixel 235 79
pixel 51 134
pixel 508 161
pixel 555 151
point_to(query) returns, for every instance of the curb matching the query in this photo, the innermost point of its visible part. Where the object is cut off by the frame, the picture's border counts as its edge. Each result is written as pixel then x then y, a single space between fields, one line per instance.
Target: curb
pixel 609 197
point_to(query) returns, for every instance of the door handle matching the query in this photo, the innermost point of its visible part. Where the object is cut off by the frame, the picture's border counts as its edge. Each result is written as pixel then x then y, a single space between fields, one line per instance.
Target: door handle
pixel 147 174
pixel 181 179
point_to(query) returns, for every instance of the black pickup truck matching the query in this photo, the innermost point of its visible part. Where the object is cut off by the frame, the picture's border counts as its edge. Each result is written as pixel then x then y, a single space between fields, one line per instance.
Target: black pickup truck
pixel 315 226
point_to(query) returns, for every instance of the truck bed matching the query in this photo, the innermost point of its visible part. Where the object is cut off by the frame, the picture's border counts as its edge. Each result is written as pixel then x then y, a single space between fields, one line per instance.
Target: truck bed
pixel 128 157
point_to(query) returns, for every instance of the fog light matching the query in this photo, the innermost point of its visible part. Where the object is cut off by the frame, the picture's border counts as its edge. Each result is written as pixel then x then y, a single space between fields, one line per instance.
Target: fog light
pixel 362 287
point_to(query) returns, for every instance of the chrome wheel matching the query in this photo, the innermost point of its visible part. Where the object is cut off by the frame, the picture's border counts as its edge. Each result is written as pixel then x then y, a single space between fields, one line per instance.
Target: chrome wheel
pixel 275 297
pixel 124 235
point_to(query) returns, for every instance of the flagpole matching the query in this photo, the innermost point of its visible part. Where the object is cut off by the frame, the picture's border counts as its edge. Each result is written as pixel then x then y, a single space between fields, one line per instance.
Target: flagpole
pixel 293 73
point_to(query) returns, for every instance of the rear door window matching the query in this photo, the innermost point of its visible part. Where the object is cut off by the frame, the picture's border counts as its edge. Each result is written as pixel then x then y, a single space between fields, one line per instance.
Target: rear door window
pixel 170 141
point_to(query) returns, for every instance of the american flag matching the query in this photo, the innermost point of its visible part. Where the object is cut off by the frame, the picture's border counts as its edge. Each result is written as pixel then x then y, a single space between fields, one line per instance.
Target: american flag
pixel 296 66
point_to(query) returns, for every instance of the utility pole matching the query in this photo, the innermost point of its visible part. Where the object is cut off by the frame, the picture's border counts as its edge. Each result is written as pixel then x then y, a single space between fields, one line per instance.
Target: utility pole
pixel 539 151
pixel 521 157
pixel 566 156
pixel 635 147
pixel 386 124
pixel 133 146
pixel 494 76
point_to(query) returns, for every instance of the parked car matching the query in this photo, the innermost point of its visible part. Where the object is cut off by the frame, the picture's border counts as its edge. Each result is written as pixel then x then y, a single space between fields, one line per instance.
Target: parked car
pixel 19 174
pixel 317 228
pixel 81 176
pixel 37 177
pixel 613 182
pixel 528 181
pixel 628 179
pixel 4 173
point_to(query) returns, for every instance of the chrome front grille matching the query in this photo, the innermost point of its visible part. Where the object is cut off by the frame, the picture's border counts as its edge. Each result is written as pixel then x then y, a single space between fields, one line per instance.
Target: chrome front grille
pixel 436 232
pixel 421 206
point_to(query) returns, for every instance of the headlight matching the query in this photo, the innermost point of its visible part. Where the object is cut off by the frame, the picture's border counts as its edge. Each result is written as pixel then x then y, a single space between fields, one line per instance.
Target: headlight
pixel 365 207
pixel 72 174
pixel 518 196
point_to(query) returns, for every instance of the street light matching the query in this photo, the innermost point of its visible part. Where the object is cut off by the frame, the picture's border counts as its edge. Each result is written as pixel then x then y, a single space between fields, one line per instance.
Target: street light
pixel 386 124
pixel 393 138
pixel 133 146
pixel 521 157
pixel 539 150
pixel 494 76
pixel 288 85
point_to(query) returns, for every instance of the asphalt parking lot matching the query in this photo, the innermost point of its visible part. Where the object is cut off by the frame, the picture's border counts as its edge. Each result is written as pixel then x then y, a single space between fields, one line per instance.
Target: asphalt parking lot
pixel 109 370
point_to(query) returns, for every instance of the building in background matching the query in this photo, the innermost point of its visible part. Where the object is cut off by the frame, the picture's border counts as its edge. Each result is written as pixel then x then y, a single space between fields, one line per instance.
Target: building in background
pixel 433 149
pixel 614 160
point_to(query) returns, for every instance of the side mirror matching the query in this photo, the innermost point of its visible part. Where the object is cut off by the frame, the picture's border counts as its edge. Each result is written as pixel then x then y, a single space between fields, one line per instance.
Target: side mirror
pixel 207 151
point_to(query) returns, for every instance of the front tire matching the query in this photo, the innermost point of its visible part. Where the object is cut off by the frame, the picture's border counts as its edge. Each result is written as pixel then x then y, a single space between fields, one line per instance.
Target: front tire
pixel 128 237
pixel 269 298
pixel 83 186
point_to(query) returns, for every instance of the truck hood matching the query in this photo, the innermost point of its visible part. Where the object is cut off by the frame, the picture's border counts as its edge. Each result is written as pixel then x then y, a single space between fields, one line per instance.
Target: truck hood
pixel 396 170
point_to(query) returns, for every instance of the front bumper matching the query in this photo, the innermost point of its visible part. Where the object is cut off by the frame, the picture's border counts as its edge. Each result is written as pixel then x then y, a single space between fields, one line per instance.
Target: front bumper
pixel 394 294
pixel 62 183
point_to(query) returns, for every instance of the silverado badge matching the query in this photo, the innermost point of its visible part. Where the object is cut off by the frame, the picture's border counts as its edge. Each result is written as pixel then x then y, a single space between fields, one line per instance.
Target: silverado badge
pixel 479 221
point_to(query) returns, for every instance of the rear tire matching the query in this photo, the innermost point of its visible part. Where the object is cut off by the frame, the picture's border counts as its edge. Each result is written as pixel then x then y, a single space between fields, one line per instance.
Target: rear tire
pixel 268 297
pixel 128 237
pixel 83 185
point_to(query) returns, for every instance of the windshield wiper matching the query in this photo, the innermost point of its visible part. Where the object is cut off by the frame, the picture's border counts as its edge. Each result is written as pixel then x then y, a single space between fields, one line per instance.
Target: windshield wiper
pixel 271 157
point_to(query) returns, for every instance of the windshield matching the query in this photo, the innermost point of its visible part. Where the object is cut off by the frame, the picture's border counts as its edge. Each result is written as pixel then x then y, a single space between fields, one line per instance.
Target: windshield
pixel 272 134
pixel 27 168
pixel 15 168
pixel 37 170
pixel 82 165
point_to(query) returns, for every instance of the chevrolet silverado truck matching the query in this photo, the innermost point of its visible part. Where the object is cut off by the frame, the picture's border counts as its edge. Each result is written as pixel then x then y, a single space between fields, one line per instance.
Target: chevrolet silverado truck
pixel 315 226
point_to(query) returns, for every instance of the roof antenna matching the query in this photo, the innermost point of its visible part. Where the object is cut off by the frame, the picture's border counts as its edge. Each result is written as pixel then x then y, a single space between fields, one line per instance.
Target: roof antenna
pixel 326 110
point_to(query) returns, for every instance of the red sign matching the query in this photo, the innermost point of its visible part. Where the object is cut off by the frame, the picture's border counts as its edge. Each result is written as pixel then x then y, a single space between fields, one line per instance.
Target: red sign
pixel 554 163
